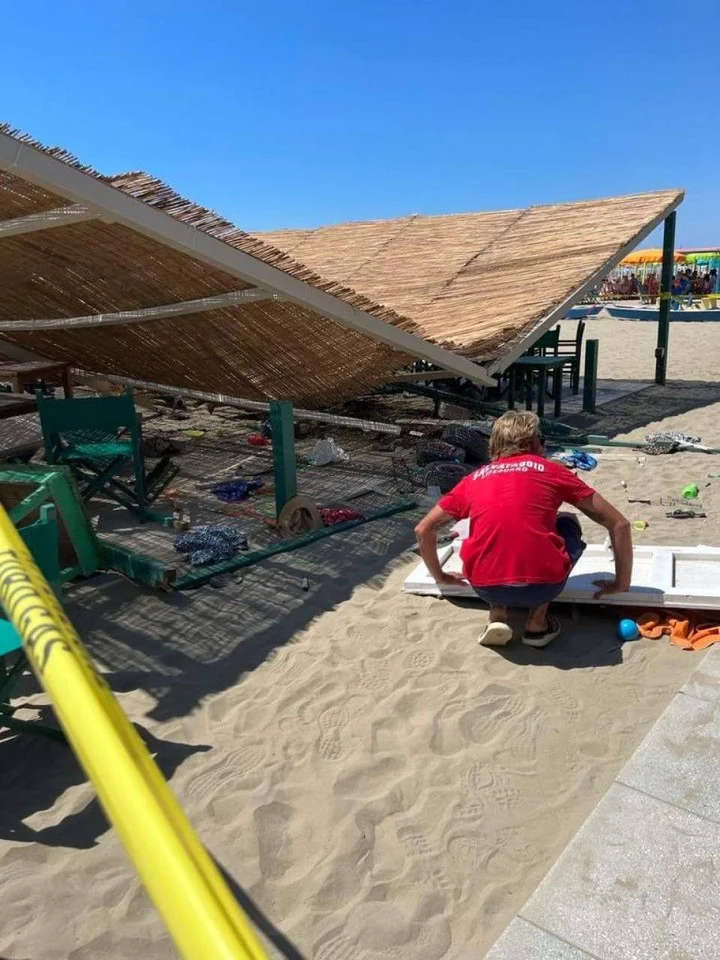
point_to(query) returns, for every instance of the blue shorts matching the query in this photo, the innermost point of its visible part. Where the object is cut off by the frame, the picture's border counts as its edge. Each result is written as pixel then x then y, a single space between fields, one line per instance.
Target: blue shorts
pixel 536 594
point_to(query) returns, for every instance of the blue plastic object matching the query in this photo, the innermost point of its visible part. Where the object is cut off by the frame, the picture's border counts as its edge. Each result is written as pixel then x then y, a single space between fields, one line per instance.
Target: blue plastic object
pixel 628 630
pixel 578 460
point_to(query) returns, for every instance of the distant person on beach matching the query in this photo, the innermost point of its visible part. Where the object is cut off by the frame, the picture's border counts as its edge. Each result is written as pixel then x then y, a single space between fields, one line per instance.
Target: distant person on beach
pixel 520 551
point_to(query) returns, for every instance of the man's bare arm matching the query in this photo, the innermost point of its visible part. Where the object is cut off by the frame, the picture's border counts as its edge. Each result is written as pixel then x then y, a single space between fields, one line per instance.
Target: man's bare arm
pixel 599 510
pixel 426 533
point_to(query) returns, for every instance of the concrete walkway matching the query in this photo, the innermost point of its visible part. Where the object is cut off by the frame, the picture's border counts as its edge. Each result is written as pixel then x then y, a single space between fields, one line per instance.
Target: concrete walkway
pixel 641 879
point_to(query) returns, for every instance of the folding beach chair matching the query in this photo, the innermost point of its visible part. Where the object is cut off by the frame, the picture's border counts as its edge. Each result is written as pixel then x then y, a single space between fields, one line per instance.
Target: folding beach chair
pixel 98 438
pixel 41 539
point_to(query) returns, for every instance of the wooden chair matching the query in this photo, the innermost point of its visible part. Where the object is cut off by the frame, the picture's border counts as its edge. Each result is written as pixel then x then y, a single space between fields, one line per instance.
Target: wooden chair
pixel 546 345
pixel 98 438
pixel 573 350
pixel 41 539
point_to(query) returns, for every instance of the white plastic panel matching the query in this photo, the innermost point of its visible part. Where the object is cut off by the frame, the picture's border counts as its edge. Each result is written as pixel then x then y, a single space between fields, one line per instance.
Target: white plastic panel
pixel 662 576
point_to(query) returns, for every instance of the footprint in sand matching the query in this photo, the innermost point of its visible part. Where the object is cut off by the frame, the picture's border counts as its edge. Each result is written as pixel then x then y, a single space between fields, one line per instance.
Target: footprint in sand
pixel 504 795
pixel 466 853
pixel 335 947
pixel 420 848
pixel 446 737
pixel 271 822
pixel 478 777
pixel 420 660
pixel 331 722
pixel 373 678
pixel 203 786
pixel 564 701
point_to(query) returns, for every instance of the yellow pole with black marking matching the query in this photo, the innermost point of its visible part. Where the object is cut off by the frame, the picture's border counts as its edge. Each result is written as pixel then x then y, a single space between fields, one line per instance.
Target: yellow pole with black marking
pixel 201 914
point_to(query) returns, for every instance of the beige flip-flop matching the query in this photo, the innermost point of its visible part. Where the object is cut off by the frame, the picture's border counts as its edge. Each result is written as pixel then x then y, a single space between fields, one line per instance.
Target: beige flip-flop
pixel 496 635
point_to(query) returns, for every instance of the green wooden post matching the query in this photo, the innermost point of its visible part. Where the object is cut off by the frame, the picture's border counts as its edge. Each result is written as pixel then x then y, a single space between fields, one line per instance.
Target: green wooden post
pixel 283 442
pixel 590 380
pixel 666 276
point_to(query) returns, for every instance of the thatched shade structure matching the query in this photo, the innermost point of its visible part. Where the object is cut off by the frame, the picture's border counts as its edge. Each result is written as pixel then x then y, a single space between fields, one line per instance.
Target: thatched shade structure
pixel 122 276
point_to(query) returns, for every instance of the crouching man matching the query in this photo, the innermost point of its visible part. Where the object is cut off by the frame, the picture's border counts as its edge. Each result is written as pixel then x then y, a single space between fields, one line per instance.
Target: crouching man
pixel 520 551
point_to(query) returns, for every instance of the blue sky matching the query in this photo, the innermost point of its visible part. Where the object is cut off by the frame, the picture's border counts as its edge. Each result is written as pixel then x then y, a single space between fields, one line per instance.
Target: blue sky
pixel 295 114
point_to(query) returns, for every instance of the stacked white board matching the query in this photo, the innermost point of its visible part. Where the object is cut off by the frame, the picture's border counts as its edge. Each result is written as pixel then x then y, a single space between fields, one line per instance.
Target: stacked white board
pixel 675 577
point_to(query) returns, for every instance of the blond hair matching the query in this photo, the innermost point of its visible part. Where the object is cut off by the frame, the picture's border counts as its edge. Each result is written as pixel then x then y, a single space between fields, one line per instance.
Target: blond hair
pixel 514 433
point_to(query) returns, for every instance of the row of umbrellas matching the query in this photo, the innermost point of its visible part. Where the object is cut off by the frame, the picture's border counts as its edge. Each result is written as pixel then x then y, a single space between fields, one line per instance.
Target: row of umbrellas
pixel 654 255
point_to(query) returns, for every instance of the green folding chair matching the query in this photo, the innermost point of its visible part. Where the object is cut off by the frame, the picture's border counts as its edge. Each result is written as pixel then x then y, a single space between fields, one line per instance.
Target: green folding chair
pixel 98 438
pixel 41 539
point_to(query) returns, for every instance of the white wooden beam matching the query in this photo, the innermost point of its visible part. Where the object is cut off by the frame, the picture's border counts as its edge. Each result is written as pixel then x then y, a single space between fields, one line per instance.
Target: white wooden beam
pixel 317 416
pixel 557 313
pixel 47 220
pixel 426 375
pixel 237 297
pixel 32 164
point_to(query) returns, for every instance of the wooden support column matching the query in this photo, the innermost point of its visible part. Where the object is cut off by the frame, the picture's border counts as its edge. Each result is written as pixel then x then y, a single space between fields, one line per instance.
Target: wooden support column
pixel 590 381
pixel 283 446
pixel 666 277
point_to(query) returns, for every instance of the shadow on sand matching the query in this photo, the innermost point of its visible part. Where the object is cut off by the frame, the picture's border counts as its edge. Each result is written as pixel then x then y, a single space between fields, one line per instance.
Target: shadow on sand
pixel 590 641
pixel 37 771
pixel 184 646
pixel 648 406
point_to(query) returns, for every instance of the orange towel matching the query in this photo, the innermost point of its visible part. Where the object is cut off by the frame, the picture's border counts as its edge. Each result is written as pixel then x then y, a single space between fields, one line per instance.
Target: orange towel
pixel 684 629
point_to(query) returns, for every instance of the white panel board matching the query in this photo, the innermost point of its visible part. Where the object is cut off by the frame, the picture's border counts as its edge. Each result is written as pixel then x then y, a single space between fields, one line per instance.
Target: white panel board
pixel 683 577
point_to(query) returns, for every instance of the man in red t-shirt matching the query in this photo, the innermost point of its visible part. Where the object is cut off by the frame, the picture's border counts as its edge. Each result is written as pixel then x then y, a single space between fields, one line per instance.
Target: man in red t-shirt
pixel 519 552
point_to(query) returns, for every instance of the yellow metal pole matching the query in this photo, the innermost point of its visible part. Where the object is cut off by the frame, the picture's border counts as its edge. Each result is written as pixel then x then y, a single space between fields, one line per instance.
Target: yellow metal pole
pixel 200 912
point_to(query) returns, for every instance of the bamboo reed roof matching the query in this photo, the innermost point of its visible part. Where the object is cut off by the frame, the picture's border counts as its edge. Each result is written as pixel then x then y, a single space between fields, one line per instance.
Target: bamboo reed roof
pixel 474 284
pixel 477 281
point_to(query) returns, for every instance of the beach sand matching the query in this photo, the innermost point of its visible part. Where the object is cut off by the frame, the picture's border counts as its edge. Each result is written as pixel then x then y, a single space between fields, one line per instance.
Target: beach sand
pixel 375 784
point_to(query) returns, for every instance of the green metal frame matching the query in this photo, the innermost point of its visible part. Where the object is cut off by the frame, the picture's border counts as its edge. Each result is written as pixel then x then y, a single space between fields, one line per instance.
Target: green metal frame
pixel 283 448
pixel 590 378
pixel 195 578
pixel 57 484
pixel 666 275
pixel 285 477
pixel 42 541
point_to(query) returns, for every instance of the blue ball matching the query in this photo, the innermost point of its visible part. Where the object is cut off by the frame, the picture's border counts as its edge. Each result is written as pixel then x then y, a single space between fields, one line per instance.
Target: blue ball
pixel 628 630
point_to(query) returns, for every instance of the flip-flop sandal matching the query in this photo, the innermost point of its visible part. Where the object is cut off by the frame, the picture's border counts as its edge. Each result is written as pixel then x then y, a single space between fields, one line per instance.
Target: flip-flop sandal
pixel 531 638
pixel 496 635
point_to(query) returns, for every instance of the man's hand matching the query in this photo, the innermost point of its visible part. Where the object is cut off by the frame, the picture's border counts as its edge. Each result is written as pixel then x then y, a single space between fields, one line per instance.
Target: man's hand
pixel 450 579
pixel 607 587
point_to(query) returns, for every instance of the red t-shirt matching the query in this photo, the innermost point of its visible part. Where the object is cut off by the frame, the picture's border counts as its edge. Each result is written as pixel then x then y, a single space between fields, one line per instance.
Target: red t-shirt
pixel 512 505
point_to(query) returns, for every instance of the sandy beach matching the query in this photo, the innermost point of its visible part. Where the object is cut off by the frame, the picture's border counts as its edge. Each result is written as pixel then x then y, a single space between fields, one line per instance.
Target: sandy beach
pixel 375 784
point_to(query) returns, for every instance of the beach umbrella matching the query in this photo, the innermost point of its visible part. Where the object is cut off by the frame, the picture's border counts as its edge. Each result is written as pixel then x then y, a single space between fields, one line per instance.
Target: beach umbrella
pixel 651 255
